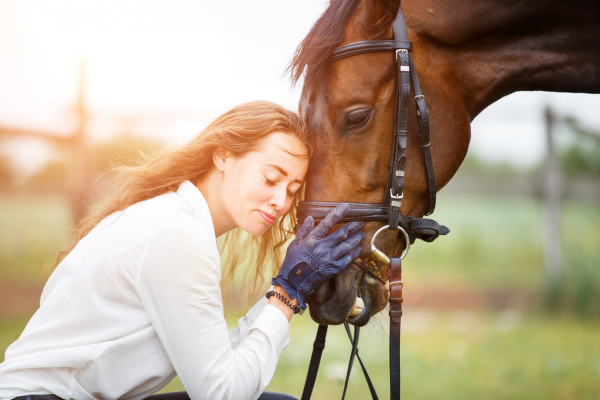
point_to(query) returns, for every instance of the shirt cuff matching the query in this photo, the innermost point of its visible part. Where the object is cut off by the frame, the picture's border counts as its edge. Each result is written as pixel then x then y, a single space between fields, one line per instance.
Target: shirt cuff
pixel 273 323
pixel 256 309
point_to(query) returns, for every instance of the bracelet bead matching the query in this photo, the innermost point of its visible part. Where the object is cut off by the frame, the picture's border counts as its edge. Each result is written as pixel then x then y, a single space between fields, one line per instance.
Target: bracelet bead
pixel 284 300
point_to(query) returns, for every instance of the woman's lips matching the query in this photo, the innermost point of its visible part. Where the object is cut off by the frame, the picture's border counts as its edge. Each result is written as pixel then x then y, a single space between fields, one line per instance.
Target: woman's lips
pixel 269 219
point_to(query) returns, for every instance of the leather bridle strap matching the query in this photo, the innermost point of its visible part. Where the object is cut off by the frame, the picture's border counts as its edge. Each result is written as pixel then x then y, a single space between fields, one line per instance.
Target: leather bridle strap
pixel 423 120
pixel 395 319
pixel 353 353
pixel 315 360
pixel 353 341
pixel 369 46
pixel 417 228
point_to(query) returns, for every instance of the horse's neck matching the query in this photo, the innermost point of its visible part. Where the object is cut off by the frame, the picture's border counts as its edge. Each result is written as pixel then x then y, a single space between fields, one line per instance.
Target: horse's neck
pixel 492 48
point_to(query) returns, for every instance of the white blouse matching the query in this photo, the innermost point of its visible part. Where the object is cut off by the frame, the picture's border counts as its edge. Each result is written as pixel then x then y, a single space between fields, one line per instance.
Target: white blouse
pixel 137 301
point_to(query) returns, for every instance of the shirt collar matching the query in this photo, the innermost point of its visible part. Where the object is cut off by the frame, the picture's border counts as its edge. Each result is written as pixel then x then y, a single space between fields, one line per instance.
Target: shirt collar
pixel 192 195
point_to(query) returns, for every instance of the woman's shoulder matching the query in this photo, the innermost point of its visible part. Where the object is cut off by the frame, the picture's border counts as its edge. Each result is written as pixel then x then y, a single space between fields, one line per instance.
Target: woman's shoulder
pixel 145 220
pixel 185 238
pixel 164 210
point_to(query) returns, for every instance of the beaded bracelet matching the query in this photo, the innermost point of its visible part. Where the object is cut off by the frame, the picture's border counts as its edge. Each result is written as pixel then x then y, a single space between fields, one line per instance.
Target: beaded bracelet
pixel 285 301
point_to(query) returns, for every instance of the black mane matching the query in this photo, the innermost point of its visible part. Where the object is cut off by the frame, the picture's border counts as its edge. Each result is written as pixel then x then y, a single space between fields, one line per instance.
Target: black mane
pixel 313 53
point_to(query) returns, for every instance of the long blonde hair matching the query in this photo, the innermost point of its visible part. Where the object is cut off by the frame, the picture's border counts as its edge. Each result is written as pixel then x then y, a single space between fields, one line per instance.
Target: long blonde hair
pixel 240 130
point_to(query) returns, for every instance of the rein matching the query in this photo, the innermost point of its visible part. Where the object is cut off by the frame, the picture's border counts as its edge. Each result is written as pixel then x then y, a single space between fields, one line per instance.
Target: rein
pixel 388 211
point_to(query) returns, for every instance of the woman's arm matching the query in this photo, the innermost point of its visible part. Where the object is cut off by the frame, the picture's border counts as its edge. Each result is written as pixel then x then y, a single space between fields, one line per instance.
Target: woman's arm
pixel 284 308
pixel 180 289
pixel 237 334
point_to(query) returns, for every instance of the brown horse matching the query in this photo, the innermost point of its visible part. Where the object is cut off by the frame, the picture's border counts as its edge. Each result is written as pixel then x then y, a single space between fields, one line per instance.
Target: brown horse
pixel 468 54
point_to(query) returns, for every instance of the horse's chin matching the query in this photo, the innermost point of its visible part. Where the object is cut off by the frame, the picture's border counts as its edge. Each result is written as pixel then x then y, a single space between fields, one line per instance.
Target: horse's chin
pixel 332 302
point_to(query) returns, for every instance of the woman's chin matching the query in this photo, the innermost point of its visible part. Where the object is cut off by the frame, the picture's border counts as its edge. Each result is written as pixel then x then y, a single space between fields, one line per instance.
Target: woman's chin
pixel 257 229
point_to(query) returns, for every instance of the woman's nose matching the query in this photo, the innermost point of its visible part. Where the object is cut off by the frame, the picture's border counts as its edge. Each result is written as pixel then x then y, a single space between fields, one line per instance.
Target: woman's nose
pixel 278 199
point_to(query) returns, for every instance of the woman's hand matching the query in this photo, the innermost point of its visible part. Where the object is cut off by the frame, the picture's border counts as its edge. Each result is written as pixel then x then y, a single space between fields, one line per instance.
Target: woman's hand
pixel 312 258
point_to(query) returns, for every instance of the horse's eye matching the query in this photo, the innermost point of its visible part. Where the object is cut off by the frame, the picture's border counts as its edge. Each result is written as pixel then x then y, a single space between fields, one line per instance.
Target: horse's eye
pixel 357 118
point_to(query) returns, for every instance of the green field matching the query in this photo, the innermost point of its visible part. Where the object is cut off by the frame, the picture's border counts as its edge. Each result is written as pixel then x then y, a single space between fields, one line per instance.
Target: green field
pixel 496 353
pixel 32 227
pixel 454 355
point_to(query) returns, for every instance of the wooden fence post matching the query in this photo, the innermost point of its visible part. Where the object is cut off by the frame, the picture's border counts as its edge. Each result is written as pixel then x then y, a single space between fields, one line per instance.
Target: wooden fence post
pixel 552 189
pixel 80 165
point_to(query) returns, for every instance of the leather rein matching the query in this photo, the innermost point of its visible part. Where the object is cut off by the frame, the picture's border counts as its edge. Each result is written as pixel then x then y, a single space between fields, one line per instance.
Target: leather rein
pixel 388 211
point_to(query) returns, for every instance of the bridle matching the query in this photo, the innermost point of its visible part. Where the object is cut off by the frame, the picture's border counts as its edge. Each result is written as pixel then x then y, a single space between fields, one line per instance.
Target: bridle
pixel 389 210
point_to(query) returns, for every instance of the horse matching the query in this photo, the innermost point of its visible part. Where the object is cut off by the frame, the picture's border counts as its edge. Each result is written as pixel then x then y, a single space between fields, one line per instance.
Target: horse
pixel 468 55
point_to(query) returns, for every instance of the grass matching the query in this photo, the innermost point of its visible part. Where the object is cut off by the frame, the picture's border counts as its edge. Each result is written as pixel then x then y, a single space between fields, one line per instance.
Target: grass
pixel 445 355
pixel 454 355
pixel 32 228
pixel 493 243
pixel 502 354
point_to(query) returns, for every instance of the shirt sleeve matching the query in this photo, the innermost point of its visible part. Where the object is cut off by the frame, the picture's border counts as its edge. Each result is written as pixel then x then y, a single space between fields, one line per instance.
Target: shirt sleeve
pixel 237 334
pixel 179 286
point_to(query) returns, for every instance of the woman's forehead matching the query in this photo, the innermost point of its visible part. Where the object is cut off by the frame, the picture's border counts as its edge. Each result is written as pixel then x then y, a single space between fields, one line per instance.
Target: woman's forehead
pixel 278 143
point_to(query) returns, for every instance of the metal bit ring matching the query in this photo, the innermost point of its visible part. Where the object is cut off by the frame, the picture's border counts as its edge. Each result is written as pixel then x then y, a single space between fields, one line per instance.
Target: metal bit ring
pixel 380 255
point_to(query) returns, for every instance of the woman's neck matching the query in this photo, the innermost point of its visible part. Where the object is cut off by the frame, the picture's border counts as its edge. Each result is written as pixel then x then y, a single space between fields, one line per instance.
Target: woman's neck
pixel 211 188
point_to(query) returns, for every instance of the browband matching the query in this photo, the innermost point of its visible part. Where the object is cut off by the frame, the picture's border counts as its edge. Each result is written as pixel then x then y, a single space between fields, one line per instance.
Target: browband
pixel 369 46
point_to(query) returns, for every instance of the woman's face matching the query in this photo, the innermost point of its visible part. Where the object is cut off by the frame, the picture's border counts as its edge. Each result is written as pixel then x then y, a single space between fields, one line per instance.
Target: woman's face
pixel 259 187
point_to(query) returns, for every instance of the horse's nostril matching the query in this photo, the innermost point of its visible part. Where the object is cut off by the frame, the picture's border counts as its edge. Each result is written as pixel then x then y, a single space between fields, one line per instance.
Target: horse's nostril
pixel 324 292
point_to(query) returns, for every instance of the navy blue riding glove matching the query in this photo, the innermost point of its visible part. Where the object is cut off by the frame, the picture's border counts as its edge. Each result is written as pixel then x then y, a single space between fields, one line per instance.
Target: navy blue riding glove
pixel 312 258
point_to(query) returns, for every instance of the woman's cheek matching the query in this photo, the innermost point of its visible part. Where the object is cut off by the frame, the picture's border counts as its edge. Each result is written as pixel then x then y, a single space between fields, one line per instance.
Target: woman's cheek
pixel 288 205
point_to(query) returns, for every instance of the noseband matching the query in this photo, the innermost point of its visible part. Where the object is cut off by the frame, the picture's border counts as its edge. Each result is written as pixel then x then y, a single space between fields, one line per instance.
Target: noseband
pixel 389 210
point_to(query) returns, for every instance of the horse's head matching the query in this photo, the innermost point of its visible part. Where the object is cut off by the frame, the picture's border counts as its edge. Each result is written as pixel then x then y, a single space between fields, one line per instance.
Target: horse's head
pixel 349 105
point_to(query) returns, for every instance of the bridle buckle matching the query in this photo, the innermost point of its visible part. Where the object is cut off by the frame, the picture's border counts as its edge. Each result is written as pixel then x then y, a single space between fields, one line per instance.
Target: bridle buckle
pixel 398 51
pixel 397 197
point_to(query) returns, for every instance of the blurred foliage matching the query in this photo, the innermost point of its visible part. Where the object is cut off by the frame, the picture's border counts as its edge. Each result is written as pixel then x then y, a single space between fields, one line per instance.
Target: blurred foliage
pixel 473 164
pixel 6 173
pixel 33 228
pixel 582 157
pixel 578 287
pixel 578 149
pixel 125 149
pixel 494 245
pixel 52 178
pixel 507 353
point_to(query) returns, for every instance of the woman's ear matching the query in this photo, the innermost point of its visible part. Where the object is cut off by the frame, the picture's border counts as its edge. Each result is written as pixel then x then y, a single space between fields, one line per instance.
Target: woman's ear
pixel 223 159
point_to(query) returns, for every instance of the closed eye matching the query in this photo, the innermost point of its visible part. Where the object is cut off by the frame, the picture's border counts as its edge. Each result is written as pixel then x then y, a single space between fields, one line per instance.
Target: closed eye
pixel 271 183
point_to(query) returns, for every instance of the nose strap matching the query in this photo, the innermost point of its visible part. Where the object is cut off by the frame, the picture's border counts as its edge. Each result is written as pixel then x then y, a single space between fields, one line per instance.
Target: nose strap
pixel 417 228
pixel 358 211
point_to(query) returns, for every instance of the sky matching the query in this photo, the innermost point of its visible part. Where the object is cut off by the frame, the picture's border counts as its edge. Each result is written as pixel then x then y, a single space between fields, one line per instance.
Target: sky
pixel 167 68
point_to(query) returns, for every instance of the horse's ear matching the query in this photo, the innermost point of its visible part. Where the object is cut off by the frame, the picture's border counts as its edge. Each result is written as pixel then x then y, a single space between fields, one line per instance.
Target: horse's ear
pixel 377 16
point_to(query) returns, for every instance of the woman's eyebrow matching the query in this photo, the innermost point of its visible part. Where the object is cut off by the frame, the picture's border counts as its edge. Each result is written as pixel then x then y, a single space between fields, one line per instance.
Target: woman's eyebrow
pixel 283 171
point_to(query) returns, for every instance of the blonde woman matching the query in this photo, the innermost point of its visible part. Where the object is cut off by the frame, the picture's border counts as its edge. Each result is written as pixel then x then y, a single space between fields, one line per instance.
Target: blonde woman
pixel 137 298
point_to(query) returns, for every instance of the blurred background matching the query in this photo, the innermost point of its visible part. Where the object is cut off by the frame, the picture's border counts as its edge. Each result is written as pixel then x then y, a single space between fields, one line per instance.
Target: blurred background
pixel 505 307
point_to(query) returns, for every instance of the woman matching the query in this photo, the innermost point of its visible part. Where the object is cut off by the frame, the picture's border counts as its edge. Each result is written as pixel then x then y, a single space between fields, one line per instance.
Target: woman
pixel 137 298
